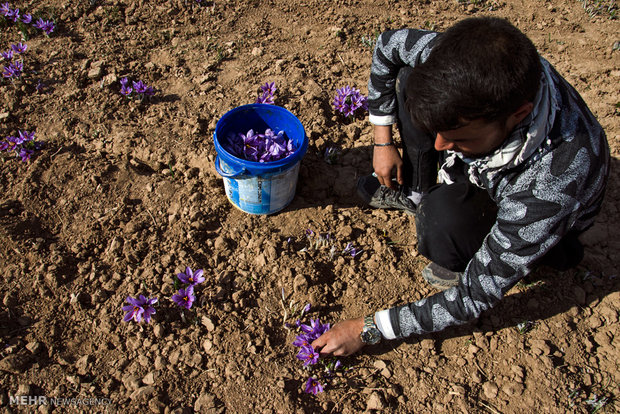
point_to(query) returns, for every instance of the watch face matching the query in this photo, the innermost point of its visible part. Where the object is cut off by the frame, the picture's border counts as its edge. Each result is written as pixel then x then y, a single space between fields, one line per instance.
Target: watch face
pixel 371 336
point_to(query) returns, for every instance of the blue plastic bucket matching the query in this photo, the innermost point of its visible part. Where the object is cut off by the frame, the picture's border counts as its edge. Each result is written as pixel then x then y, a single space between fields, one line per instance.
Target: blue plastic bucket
pixel 259 187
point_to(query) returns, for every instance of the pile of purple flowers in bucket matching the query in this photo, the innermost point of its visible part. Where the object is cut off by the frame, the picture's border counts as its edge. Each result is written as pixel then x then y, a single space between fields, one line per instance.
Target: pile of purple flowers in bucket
pixel 255 147
pixel 24 145
pixel 348 100
pixel 309 356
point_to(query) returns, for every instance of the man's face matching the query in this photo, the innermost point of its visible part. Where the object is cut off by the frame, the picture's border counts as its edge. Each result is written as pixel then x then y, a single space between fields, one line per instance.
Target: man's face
pixel 478 138
pixel 475 139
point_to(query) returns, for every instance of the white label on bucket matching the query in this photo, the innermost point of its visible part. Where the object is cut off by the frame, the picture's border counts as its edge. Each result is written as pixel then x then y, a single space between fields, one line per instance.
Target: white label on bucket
pixel 282 187
pixel 250 190
pixel 263 194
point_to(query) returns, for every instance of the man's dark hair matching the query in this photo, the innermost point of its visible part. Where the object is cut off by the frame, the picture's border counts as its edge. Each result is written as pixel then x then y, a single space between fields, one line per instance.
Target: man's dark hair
pixel 480 68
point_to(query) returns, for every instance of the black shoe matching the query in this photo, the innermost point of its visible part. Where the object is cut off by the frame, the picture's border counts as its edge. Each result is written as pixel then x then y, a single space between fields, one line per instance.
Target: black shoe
pixel 439 277
pixel 379 196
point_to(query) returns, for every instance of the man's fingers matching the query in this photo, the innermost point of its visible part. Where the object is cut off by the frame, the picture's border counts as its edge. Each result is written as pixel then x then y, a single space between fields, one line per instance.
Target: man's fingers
pixel 381 179
pixel 326 349
pixel 389 183
pixel 323 345
pixel 399 174
pixel 319 342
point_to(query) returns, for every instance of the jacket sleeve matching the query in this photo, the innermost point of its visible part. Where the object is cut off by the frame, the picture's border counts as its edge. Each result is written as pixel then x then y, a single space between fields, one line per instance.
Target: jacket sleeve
pixel 394 49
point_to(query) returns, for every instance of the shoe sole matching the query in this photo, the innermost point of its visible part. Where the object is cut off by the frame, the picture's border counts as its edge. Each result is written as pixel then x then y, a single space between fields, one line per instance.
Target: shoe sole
pixel 437 283
pixel 381 207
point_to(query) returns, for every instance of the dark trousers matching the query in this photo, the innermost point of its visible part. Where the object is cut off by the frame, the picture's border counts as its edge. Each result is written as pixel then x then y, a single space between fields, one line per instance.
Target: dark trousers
pixel 453 219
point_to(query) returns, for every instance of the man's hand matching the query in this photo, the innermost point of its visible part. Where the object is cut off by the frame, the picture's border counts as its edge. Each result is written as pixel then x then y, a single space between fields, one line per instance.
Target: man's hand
pixel 341 340
pixel 386 159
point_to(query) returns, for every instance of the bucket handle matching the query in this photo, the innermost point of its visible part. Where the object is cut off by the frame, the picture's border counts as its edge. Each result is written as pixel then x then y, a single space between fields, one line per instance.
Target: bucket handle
pixel 224 174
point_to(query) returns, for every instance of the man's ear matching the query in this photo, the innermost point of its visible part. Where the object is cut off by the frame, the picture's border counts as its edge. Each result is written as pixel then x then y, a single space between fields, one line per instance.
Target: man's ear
pixel 520 114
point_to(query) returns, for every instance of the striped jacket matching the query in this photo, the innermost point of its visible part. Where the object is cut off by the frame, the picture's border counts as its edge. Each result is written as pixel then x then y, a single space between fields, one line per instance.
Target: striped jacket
pixel 556 188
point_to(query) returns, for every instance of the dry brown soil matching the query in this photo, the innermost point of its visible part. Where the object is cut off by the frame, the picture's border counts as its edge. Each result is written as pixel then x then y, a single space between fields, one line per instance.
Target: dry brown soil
pixel 124 196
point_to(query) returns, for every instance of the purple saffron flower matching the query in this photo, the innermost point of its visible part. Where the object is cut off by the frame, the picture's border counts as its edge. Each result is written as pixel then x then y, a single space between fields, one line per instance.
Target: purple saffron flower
pixel 18 67
pixel 302 340
pixel 351 250
pixel 8 71
pixel 13 70
pixel 139 86
pixel 13 15
pixel 8 55
pixel 19 47
pixel 185 297
pixel 27 18
pixel 126 91
pixel 5 9
pixel 39 23
pixel 142 89
pixel 265 98
pixel 273 146
pixel 251 145
pixel 308 355
pixel 313 386
pixel 15 140
pixel 12 143
pixel 6 145
pixel 133 312
pixel 315 329
pixel 269 87
pixel 341 96
pixel 190 277
pixel 25 154
pixel 45 25
pixel 148 309
pixel 139 308
pixel 26 136
pixel 348 100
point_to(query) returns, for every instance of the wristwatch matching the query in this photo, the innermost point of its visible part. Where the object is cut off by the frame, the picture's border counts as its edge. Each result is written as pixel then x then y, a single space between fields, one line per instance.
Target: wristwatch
pixel 370 333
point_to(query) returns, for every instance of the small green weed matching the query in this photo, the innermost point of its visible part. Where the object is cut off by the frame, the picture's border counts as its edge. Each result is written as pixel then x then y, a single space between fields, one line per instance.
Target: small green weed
pixel 370 40
pixel 489 5
pixel 603 8
pixel 112 16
